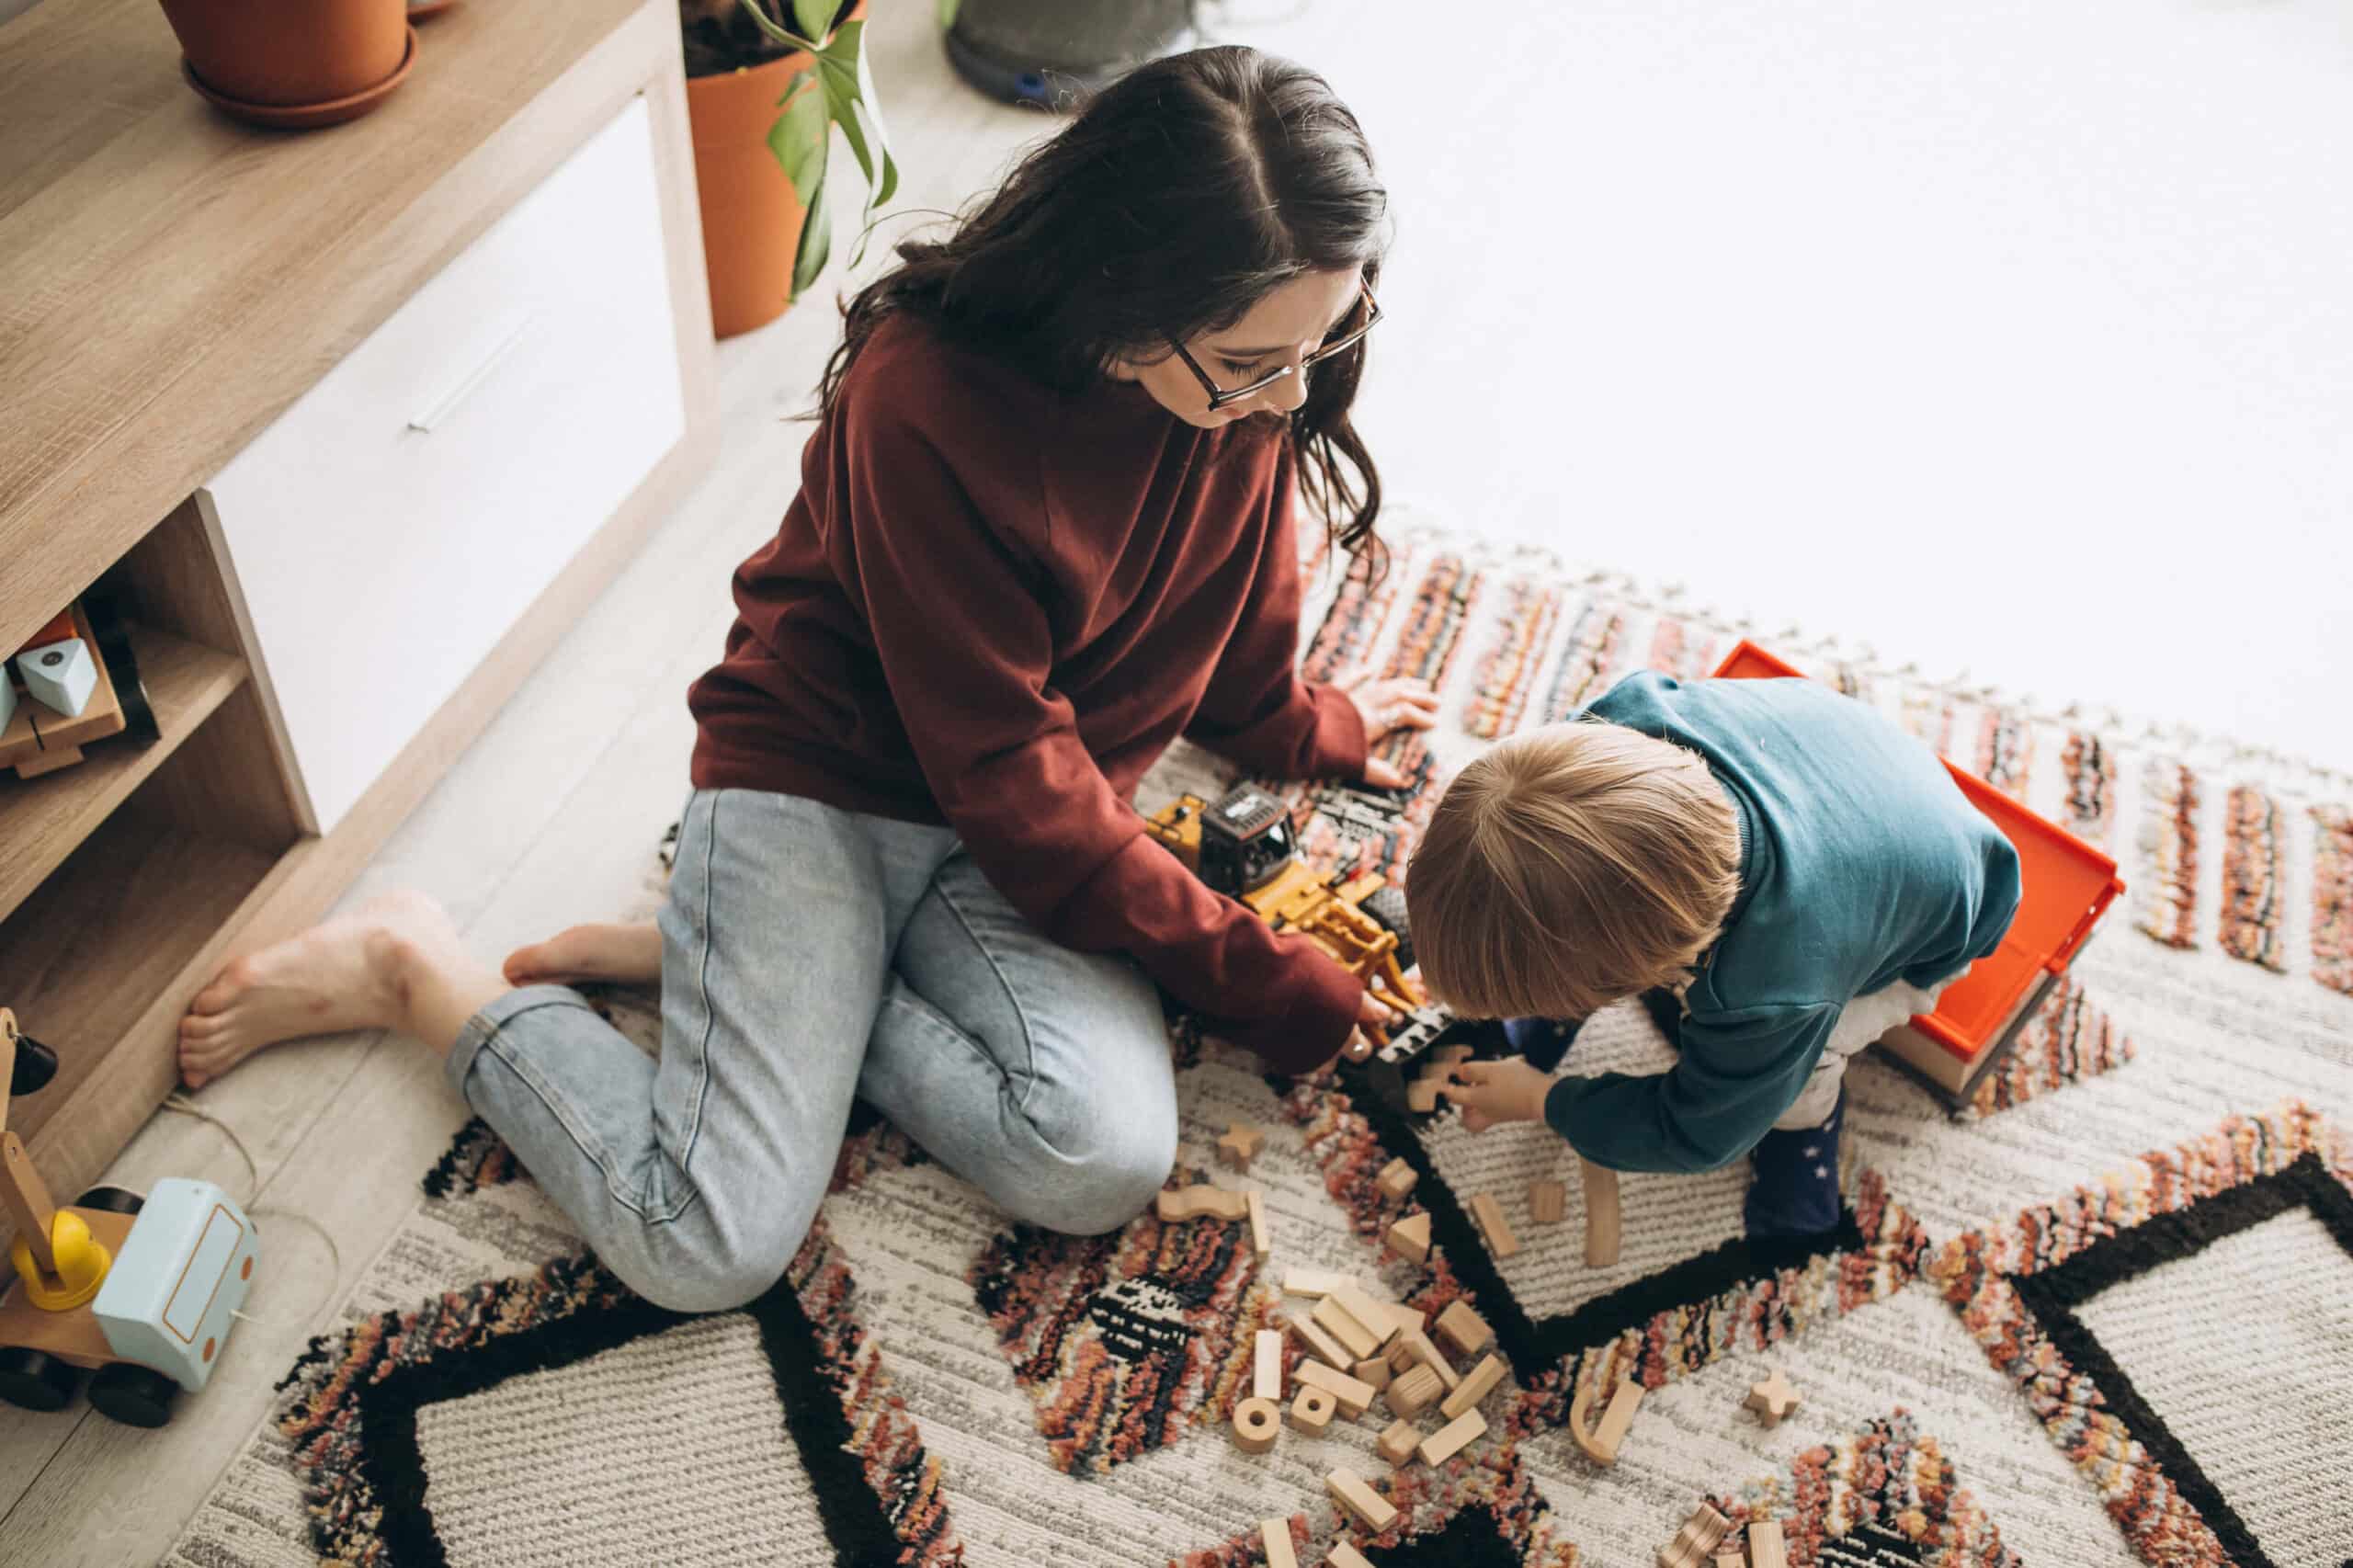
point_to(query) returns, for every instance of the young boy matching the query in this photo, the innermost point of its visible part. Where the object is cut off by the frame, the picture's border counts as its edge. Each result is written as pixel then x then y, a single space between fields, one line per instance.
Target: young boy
pixel 1803 874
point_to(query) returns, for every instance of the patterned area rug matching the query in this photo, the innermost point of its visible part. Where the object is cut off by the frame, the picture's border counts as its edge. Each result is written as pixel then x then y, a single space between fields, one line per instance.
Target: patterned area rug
pixel 2102 1316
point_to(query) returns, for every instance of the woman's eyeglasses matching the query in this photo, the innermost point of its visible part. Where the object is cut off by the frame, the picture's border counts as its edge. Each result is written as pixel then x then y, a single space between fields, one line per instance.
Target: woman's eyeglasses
pixel 1344 337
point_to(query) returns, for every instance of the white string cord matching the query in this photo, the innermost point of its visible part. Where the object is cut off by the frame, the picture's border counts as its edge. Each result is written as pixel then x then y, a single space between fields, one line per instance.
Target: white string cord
pixel 182 1106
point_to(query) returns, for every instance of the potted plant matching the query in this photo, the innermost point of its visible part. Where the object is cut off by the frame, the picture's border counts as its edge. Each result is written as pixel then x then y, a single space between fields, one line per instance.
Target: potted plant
pixel 293 61
pixel 767 82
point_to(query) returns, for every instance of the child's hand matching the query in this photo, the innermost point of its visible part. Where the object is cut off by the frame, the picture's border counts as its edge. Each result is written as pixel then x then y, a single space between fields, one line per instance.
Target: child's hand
pixel 1490 1092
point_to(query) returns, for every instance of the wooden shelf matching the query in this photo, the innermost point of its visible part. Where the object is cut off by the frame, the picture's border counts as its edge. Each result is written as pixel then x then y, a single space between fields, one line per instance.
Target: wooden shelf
pixel 41 819
pixel 88 953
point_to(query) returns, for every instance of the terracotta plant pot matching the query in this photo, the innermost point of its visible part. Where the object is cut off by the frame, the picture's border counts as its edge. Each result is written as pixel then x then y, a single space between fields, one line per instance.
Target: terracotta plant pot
pixel 751 217
pixel 290 53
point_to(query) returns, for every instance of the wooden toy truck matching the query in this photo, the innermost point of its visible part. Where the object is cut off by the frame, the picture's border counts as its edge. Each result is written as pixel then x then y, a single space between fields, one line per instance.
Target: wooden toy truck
pixel 74 682
pixel 141 1293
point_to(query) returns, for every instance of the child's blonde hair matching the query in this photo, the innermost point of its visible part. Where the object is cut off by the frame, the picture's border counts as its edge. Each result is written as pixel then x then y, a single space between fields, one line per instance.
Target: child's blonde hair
pixel 1571 866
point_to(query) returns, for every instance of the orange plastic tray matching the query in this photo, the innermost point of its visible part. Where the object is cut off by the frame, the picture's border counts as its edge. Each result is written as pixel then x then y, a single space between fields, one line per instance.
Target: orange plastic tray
pixel 2068 885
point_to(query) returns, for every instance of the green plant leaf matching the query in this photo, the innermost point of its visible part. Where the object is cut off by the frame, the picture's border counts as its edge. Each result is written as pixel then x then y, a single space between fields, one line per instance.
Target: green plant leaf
pixel 852 103
pixel 769 26
pixel 815 17
pixel 816 246
pixel 800 137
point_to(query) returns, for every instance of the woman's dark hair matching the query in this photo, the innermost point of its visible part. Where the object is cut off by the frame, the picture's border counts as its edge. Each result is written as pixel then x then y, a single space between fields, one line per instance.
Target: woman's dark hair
pixel 1177 200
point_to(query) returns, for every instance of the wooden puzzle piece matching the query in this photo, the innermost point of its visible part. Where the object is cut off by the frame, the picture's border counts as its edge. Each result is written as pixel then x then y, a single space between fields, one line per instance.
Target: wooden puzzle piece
pixel 1356 1496
pixel 1772 1399
pixel 1239 1145
pixel 1257 1424
pixel 1351 1394
pixel 1548 1201
pixel 1464 1329
pixel 1490 1215
pixel 1603 1225
pixel 1196 1202
pixel 1313 1409
pixel 1453 1438
pixel 1477 1384
pixel 1397 1179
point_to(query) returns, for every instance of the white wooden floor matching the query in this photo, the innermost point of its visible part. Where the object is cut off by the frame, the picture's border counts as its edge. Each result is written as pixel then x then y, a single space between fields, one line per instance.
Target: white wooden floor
pixel 1626 317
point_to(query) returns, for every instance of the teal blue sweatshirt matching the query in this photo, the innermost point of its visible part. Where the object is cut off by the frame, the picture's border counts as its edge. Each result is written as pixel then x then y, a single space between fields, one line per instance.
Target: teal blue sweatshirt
pixel 1861 863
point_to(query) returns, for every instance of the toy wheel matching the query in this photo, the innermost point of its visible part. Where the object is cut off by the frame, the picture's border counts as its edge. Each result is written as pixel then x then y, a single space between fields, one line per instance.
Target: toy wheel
pixel 1387 904
pixel 111 1200
pixel 136 1396
pixel 33 1381
pixel 122 669
pixel 36 1065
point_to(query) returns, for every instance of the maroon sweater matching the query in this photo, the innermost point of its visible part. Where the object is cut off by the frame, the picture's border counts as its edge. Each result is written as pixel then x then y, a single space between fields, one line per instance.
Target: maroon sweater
pixel 993 606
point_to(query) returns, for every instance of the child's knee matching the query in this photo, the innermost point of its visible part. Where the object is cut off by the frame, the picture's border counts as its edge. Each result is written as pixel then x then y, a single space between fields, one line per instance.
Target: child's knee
pixel 1103 1183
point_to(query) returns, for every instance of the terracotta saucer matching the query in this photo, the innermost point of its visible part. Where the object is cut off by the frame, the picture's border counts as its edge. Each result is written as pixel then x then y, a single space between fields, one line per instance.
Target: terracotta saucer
pixel 420 9
pixel 305 117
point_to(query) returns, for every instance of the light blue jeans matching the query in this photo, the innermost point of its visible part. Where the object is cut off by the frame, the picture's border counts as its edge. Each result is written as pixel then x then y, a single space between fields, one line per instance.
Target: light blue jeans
pixel 809 956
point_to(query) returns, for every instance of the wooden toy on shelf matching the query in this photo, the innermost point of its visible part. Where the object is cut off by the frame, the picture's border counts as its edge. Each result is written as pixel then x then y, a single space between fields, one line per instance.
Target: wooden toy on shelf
pixel 1257 1424
pixel 1409 1238
pixel 1772 1399
pixel 1766 1547
pixel 1312 1410
pixel 1356 1496
pixel 1352 1396
pixel 1274 1537
pixel 141 1292
pixel 1464 1329
pixel 1697 1541
pixel 1239 1145
pixel 1398 1441
pixel 1395 1180
pixel 1602 1222
pixel 80 684
pixel 1453 1438
pixel 1490 1215
pixel 1477 1384
pixel 1601 1444
pixel 1547 1203
pixel 1196 1202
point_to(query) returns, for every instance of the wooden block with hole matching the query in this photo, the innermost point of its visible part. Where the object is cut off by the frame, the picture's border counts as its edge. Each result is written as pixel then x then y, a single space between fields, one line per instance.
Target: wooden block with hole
pixel 1312 1410
pixel 1341 1324
pixel 1274 1537
pixel 1766 1547
pixel 1409 1238
pixel 1548 1201
pixel 1356 1496
pixel 1464 1329
pixel 1398 1441
pixel 1395 1180
pixel 1257 1424
pixel 1322 1344
pixel 1453 1438
pixel 1490 1215
pixel 1413 1392
pixel 1477 1384
pixel 1351 1394
pixel 1267 1367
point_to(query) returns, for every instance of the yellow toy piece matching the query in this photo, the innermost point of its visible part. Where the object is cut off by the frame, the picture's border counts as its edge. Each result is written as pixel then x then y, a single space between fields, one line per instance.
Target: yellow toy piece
pixel 82 1264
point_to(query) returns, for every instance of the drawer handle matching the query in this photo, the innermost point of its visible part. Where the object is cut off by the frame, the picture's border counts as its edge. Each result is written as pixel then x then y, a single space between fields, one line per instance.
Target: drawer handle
pixel 439 415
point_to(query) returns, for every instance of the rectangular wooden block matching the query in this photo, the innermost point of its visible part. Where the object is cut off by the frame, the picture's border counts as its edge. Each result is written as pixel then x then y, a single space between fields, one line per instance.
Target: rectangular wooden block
pixel 1548 1201
pixel 1355 1494
pixel 1274 1535
pixel 1343 1555
pixel 1453 1438
pixel 1414 1392
pixel 1610 1430
pixel 1314 1282
pixel 1259 1243
pixel 1351 1394
pixel 1766 1547
pixel 1267 1373
pixel 1373 1369
pixel 1341 1324
pixel 1464 1329
pixel 1434 1359
pixel 1399 1441
pixel 1375 1316
pixel 1402 1358
pixel 1421 1095
pixel 1490 1215
pixel 1395 1180
pixel 1477 1384
pixel 1320 1343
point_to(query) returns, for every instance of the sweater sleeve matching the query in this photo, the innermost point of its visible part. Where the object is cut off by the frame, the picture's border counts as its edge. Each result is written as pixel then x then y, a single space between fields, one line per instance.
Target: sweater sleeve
pixel 967 651
pixel 1258 711
pixel 1738 1072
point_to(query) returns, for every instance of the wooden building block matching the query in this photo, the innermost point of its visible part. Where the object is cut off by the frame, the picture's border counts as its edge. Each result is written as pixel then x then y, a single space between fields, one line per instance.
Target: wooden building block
pixel 1464 1329
pixel 1259 1243
pixel 1490 1215
pixel 1602 1222
pixel 1313 1409
pixel 1349 1393
pixel 1373 1369
pixel 1274 1536
pixel 1432 1358
pixel 1727 1560
pixel 1201 1202
pixel 1332 1351
pixel 1421 1095
pixel 1395 1180
pixel 1477 1384
pixel 1402 1358
pixel 1772 1399
pixel 1695 1540
pixel 1257 1424
pixel 1409 1320
pixel 1451 1053
pixel 1453 1438
pixel 1766 1547
pixel 1409 1238
pixel 1356 1496
pixel 1341 1324
pixel 1267 1370
pixel 1399 1441
pixel 1343 1555
pixel 1615 1420
pixel 1414 1392
pixel 1548 1201
pixel 1314 1282
pixel 1375 1316
pixel 1239 1145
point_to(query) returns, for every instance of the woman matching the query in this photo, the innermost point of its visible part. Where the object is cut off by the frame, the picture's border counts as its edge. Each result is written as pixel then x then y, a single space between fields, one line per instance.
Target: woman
pixel 1044 528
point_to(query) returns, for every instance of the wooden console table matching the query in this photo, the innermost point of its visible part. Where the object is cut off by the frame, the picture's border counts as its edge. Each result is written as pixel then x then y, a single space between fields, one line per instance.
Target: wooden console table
pixel 354 422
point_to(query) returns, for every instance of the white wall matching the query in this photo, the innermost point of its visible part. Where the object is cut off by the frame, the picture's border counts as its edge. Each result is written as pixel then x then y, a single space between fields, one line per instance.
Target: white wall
pixel 2014 335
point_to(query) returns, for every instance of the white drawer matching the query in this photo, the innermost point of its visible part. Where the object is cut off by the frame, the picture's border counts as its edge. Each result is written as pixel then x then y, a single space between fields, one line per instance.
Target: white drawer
pixel 394 522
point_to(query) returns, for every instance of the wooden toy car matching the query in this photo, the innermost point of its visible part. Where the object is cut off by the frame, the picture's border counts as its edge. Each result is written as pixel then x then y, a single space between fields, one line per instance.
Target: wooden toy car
pixel 140 1292
pixel 74 682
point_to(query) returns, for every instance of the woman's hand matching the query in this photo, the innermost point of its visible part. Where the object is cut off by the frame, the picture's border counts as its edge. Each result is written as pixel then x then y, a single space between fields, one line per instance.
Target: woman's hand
pixel 1490 1092
pixel 1371 1031
pixel 1386 707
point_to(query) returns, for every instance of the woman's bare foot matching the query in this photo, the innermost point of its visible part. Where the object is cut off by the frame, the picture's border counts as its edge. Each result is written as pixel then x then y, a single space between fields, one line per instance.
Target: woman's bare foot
pixel 396 962
pixel 625 954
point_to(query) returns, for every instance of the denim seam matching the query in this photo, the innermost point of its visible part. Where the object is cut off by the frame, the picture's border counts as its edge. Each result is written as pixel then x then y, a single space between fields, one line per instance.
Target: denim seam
pixel 702 989
pixel 530 1079
pixel 1028 1035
